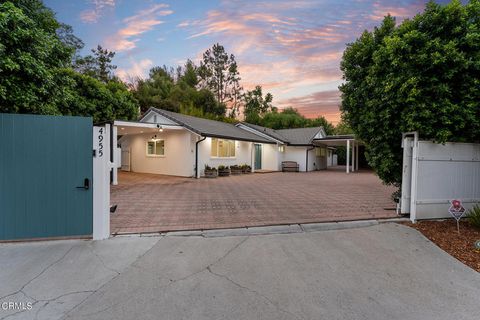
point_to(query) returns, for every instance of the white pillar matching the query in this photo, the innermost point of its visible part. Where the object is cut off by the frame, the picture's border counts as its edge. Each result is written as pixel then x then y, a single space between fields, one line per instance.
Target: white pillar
pixel 101 182
pixel 353 156
pixel 356 158
pixel 115 156
pixel 348 156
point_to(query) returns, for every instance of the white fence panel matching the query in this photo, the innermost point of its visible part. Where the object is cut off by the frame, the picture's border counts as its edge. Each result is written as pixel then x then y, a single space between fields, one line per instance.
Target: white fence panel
pixel 439 174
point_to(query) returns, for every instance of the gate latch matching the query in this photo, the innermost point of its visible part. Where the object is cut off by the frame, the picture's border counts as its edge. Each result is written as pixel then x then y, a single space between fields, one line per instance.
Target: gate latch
pixel 86 184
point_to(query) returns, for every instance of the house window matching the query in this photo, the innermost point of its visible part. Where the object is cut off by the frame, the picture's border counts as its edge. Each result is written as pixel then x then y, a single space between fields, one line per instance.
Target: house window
pixel 320 152
pixel 155 148
pixel 222 148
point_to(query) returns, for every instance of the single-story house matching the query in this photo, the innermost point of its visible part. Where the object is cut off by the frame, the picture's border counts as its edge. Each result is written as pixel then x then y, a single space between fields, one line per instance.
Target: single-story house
pixel 165 142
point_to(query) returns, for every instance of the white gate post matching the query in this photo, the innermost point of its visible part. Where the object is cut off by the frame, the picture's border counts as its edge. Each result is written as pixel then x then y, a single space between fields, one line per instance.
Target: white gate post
pixel 115 161
pixel 407 145
pixel 348 156
pixel 101 182
pixel 414 180
pixel 356 157
pixel 353 156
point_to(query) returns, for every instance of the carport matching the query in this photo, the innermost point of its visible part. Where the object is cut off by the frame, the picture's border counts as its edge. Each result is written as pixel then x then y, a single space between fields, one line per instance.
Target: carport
pixel 349 141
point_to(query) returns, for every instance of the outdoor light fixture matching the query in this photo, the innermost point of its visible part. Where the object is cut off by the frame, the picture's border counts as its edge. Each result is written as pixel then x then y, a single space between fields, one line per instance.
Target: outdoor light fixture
pixel 160 129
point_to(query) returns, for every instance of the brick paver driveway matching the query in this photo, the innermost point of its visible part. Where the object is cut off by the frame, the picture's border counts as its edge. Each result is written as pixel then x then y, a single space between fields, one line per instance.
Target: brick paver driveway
pixel 151 203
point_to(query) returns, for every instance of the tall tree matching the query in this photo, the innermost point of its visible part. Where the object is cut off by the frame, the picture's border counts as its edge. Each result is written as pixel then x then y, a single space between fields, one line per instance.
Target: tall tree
pixel 218 72
pixel 256 105
pixel 31 54
pixel 420 76
pixel 321 121
pixel 98 65
pixel 35 69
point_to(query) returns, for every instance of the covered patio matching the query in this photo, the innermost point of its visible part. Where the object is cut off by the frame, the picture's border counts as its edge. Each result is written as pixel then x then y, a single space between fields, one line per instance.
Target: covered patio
pixel 352 147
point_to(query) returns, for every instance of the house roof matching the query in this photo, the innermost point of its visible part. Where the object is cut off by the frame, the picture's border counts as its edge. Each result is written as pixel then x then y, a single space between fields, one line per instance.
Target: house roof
pixel 300 136
pixel 211 128
pixel 267 131
pixel 297 136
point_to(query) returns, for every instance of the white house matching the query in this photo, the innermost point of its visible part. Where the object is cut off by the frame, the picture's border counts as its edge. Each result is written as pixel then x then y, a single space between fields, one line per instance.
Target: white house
pixel 165 142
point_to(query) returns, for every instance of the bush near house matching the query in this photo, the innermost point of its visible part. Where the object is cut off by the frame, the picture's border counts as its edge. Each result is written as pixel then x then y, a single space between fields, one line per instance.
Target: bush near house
pixel 473 216
pixel 422 75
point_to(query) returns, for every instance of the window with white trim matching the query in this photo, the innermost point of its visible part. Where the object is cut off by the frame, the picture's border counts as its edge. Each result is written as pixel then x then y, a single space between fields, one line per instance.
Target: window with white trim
pixel 222 148
pixel 155 148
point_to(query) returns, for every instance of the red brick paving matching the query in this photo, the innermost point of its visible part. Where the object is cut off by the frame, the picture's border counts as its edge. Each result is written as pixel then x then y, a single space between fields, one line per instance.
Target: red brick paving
pixel 152 203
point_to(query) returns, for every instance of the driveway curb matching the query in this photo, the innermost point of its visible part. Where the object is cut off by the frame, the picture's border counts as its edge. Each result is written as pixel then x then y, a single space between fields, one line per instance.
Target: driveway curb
pixel 268 230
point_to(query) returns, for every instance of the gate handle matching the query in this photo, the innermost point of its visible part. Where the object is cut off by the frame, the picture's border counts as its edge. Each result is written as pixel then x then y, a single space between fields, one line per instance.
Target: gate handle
pixel 86 184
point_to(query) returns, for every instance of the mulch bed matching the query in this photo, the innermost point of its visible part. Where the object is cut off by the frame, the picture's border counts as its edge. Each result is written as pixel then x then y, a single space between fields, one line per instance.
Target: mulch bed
pixel 444 234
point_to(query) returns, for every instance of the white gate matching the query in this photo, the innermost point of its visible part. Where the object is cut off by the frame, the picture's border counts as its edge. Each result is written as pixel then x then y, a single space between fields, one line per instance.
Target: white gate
pixel 434 174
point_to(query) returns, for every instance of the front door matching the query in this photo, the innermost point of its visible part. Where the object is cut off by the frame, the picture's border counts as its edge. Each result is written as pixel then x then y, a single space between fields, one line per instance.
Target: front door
pixel 258 157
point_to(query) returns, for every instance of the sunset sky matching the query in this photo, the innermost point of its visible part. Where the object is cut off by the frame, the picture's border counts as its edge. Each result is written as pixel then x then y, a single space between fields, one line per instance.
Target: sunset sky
pixel 291 48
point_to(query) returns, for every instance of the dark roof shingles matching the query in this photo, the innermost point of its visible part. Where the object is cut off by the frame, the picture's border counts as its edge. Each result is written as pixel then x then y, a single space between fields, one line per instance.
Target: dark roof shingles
pixel 212 128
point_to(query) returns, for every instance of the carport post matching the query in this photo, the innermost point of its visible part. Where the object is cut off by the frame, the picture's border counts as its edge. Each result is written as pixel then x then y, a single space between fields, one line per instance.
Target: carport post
pixel 348 156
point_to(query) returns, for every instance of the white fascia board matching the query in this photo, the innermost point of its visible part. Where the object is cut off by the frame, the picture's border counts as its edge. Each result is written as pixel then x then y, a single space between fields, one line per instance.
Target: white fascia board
pixel 119 123
pixel 258 133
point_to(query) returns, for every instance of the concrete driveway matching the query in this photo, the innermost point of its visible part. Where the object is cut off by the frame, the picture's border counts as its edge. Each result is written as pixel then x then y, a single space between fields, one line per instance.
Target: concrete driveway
pixel 151 203
pixel 387 271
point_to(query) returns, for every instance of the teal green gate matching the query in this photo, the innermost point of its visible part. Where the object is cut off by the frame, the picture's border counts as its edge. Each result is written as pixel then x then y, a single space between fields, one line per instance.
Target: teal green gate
pixel 45 176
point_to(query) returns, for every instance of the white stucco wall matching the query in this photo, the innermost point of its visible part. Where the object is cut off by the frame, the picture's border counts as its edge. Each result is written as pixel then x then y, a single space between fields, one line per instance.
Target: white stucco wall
pixel 179 153
pixel 243 155
pixel 298 154
pixel 270 157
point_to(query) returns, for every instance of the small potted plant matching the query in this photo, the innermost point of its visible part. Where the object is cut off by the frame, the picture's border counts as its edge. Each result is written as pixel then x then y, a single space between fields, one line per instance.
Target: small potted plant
pixel 223 171
pixel 246 168
pixel 210 172
pixel 236 169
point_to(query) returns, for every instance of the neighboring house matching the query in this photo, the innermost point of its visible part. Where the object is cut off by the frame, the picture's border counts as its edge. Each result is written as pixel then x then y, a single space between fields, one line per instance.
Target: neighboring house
pixel 165 142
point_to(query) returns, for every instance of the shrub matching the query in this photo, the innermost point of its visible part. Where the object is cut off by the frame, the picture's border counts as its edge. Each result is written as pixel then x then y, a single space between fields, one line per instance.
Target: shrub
pixel 208 168
pixel 474 216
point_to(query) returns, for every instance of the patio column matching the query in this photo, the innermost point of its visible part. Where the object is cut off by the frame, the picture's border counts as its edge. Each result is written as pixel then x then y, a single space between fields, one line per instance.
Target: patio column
pixel 348 156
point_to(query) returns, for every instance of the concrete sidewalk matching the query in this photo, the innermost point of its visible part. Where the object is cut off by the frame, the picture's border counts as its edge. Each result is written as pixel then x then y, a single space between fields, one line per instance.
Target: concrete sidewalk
pixel 385 271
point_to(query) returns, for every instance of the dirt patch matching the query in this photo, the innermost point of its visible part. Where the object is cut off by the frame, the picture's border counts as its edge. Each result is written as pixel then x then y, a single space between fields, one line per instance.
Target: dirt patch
pixel 444 234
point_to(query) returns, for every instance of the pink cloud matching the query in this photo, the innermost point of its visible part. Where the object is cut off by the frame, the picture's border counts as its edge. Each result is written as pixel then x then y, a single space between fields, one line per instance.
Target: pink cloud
pixel 143 21
pixel 94 14
pixel 325 103
pixel 137 70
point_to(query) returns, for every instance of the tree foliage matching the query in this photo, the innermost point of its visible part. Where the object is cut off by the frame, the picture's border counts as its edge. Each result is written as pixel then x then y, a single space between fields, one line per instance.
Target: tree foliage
pixel 97 65
pixel 85 95
pixel 256 105
pixel 30 56
pixel 422 75
pixel 36 75
pixel 176 90
pixel 290 118
pixel 218 72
